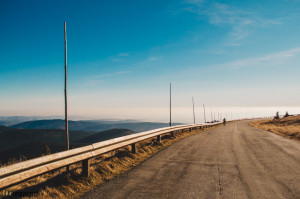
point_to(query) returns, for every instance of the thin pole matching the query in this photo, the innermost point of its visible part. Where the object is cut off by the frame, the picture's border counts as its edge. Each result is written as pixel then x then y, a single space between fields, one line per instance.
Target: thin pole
pixel 66 97
pixel 170 124
pixel 193 110
pixel 204 114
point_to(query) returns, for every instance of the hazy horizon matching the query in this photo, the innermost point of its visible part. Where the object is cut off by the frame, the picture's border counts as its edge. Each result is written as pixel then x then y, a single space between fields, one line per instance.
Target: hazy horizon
pixel 179 114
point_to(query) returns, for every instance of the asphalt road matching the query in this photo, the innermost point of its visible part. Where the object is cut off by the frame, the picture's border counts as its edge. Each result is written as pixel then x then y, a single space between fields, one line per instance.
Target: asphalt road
pixel 235 161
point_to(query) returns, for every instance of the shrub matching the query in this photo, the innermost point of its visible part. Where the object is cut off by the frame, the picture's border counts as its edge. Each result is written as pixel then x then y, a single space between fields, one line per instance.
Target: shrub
pixel 286 114
pixel 277 115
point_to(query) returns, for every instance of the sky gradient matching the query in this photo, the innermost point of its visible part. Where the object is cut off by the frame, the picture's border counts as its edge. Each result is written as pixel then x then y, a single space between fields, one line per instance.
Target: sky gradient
pixel 123 54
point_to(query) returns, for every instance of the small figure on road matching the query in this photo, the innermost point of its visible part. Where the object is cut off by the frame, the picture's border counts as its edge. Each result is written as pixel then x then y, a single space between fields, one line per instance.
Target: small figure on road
pixel 224 121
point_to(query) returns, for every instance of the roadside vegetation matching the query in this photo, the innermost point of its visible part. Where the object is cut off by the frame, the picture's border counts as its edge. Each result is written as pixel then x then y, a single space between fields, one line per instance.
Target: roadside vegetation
pixel 288 126
pixel 58 184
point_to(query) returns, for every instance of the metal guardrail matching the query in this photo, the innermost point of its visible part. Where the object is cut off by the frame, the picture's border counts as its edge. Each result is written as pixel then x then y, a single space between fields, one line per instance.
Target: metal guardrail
pixel 22 171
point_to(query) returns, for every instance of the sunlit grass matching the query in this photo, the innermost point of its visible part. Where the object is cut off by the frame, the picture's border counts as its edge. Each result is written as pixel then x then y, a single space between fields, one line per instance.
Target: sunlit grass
pixel 286 126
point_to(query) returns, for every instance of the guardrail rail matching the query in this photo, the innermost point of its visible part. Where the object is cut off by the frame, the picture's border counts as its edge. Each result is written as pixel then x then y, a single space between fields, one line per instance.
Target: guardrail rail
pixel 22 171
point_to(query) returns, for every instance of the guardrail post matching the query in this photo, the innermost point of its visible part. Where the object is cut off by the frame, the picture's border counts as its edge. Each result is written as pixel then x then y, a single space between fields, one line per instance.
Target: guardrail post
pixel 158 139
pixel 68 169
pixel 133 148
pixel 86 167
pixel 172 134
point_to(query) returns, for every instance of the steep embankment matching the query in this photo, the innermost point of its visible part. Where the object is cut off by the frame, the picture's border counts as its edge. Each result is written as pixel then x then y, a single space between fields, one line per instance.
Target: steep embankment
pixel 22 144
pixel 11 138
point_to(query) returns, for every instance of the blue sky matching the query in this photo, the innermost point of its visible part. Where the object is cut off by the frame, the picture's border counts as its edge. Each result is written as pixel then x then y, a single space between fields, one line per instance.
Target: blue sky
pixel 123 54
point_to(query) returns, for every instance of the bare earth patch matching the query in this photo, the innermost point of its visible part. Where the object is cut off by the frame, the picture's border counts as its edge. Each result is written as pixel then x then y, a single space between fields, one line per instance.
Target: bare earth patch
pixel 58 184
pixel 286 126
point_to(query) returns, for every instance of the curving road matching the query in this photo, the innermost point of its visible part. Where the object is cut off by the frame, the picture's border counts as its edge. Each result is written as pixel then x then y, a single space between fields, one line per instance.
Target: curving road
pixel 235 161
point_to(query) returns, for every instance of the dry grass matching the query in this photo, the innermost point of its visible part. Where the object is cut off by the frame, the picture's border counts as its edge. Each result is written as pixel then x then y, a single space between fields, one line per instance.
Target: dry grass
pixel 58 184
pixel 287 126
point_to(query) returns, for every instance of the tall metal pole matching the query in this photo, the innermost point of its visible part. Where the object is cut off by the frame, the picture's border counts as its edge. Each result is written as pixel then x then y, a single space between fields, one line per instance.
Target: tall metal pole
pixel 66 97
pixel 193 110
pixel 204 114
pixel 170 124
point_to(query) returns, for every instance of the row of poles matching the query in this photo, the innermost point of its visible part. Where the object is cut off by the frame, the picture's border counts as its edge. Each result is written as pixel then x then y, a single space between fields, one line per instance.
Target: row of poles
pixel 213 119
pixel 194 117
pixel 66 98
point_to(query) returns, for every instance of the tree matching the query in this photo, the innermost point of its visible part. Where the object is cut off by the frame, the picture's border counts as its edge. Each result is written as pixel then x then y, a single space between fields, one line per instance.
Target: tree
pixel 286 114
pixel 277 115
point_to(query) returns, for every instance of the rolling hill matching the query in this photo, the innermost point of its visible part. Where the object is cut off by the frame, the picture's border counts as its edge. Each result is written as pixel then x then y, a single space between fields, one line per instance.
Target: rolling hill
pixel 20 144
pixel 104 135
pixel 91 125
pixel 11 138
pixel 11 120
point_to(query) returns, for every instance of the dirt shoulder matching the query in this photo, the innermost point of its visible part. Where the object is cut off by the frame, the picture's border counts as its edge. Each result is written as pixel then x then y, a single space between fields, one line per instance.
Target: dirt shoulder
pixel 286 126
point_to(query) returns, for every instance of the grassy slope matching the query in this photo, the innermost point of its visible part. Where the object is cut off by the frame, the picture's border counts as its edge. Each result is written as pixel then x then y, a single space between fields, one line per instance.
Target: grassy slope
pixel 287 126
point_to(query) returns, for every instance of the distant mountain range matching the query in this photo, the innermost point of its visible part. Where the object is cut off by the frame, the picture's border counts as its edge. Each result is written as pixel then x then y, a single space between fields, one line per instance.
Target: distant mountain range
pixel 12 120
pixel 90 125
